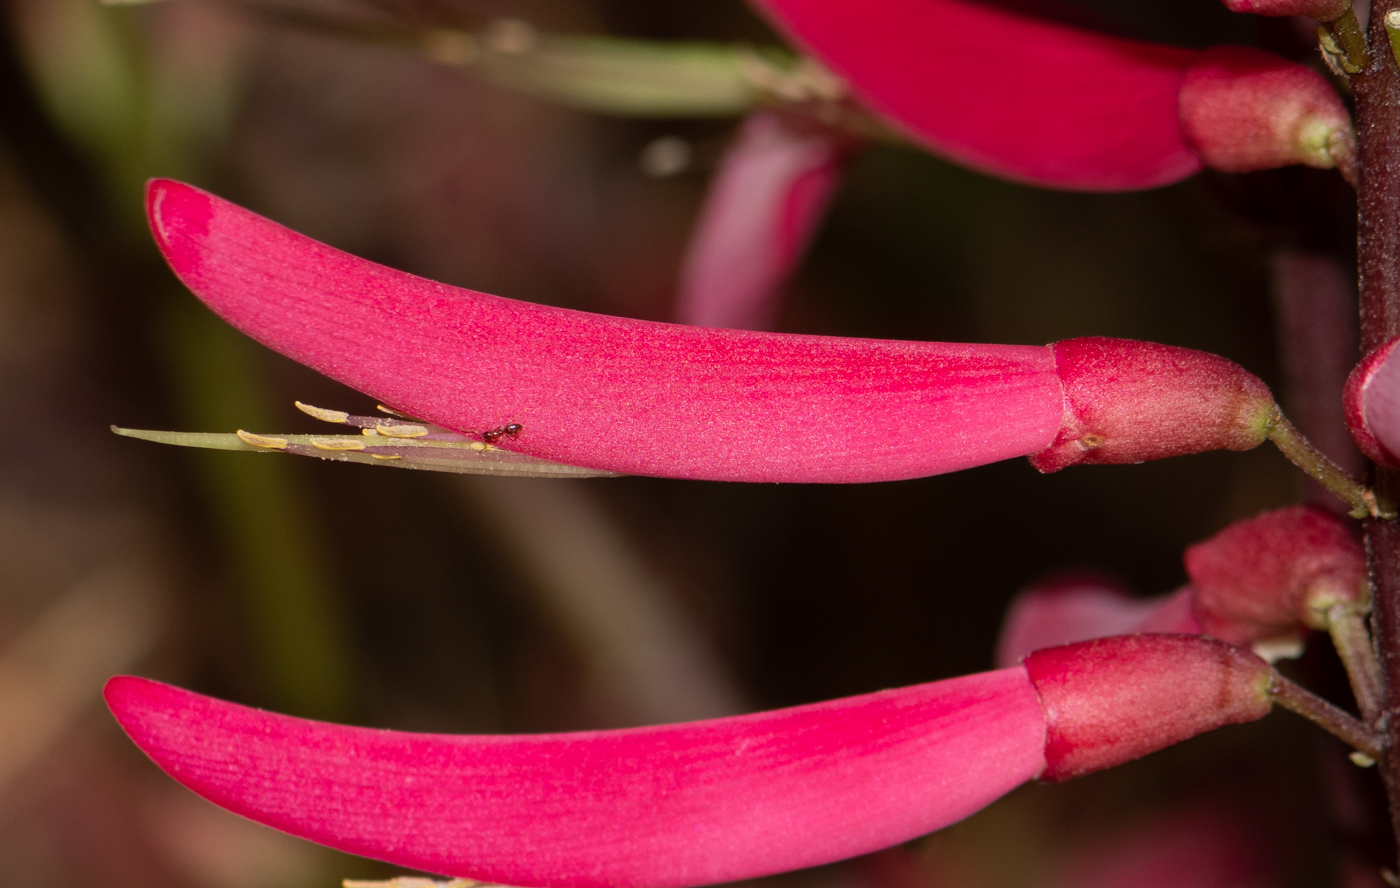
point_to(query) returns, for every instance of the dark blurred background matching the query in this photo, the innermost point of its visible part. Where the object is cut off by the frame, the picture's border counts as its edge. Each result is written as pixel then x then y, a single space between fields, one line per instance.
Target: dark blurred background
pixel 433 602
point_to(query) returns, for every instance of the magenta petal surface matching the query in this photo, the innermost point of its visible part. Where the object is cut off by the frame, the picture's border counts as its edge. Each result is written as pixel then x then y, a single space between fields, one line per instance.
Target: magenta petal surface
pixel 1371 401
pixel 1070 609
pixel 1012 96
pixel 677 805
pixel 764 204
pixel 604 392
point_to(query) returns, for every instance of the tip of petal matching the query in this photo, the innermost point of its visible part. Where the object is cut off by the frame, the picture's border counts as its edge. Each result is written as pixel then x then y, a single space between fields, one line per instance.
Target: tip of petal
pixel 179 215
pixel 119 691
pixel 662 807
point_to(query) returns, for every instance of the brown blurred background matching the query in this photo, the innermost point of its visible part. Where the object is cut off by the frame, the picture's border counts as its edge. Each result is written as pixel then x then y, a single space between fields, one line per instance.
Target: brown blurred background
pixel 433 602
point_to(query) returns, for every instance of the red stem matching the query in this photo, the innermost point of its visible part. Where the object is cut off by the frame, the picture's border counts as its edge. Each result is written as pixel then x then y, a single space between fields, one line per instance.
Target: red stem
pixel 1377 92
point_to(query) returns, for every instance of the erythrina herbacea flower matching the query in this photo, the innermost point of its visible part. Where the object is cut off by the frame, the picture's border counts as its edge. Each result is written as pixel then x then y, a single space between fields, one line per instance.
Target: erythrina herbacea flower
pixel 702 802
pixel 762 208
pixel 677 401
pixel 1051 105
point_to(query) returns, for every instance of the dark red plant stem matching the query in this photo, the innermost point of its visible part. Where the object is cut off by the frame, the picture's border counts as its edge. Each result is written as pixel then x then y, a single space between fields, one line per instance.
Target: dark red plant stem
pixel 1377 92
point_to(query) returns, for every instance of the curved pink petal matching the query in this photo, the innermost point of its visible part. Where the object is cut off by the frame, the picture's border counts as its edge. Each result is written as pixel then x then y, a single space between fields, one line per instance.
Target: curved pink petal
pixel 623 395
pixel 1015 97
pixel 676 805
pixel 1371 401
pixel 1078 608
pixel 763 206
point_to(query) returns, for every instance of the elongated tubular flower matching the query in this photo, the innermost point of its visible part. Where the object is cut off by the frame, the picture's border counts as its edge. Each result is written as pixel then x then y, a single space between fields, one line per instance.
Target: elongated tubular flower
pixel 763 206
pixel 677 401
pixel 701 802
pixel 1051 105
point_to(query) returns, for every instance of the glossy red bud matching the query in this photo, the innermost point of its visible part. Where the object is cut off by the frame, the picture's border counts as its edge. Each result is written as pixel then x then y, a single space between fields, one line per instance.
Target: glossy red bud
pixel 1112 700
pixel 1265 577
pixel 1371 401
pixel 1129 401
pixel 1243 109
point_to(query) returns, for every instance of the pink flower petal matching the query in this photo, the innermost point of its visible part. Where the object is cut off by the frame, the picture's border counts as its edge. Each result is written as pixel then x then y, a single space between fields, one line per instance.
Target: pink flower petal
pixel 763 206
pixel 612 393
pixel 677 805
pixel 1371 401
pixel 1015 97
pixel 1078 608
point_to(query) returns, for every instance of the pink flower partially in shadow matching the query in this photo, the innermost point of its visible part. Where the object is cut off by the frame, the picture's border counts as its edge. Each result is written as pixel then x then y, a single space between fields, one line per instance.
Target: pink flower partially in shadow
pixel 1071 608
pixel 702 802
pixel 678 401
pixel 763 207
pixel 1038 102
pixel 1264 582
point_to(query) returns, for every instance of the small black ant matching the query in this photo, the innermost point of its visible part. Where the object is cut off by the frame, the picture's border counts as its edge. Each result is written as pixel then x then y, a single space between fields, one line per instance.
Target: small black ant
pixel 510 430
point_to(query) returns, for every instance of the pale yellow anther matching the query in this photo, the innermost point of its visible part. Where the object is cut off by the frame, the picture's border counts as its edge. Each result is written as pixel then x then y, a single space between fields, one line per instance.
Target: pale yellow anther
pixel 386 456
pixel 369 433
pixel 400 431
pixel 337 444
pixel 321 413
pixel 261 440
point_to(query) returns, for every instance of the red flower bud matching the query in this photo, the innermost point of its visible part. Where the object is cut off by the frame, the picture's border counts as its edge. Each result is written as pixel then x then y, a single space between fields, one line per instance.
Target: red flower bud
pixel 1128 402
pixel 1243 109
pixel 1111 700
pixel 1265 577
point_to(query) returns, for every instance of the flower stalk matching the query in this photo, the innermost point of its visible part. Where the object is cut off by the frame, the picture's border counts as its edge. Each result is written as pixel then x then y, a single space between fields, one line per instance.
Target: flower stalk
pixel 1377 92
pixel 1351 39
pixel 1364 502
pixel 1330 718
pixel 1346 624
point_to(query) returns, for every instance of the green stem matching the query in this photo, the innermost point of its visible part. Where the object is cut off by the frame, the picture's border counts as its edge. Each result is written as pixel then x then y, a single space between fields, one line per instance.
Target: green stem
pixel 1301 452
pixel 1334 721
pixel 1347 626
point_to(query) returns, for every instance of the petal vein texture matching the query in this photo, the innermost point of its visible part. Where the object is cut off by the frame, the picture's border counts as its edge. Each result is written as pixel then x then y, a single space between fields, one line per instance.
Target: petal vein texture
pixel 1018 98
pixel 611 393
pixel 676 805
